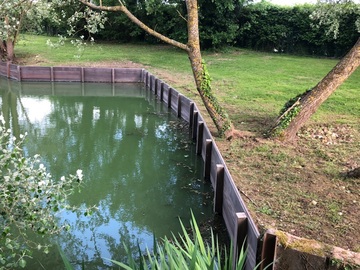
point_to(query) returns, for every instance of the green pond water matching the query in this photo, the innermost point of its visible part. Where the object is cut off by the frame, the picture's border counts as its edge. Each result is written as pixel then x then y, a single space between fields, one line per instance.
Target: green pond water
pixel 138 163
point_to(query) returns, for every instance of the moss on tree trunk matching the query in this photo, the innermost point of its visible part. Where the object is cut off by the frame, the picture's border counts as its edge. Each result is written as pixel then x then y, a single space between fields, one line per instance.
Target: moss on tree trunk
pixel 295 116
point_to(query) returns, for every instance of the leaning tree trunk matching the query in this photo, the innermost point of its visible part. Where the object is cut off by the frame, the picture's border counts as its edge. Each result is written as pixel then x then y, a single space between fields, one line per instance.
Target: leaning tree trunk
pixel 300 109
pixel 201 77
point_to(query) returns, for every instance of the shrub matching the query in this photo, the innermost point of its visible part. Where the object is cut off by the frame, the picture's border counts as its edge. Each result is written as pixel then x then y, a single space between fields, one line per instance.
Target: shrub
pixel 29 200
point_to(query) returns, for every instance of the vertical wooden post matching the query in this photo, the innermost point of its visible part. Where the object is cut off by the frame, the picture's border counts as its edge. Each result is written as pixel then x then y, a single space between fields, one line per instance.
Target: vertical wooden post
pixel 191 116
pixel 156 86
pixel 207 162
pixel 82 75
pixel 19 73
pixel 169 97
pixel 8 69
pixel 194 126
pixel 151 81
pixel 143 75
pixel 112 75
pixel 200 135
pixel 241 228
pixel 51 74
pixel 179 105
pixel 268 253
pixel 219 189
pixel 162 91
pixel 146 79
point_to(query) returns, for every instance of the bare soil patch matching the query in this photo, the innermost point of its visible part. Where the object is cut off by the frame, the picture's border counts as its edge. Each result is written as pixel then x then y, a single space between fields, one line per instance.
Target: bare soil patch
pixel 301 188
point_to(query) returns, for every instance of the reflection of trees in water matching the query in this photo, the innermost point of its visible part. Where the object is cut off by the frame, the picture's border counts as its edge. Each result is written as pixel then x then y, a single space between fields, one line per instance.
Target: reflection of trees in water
pixel 113 140
pixel 102 245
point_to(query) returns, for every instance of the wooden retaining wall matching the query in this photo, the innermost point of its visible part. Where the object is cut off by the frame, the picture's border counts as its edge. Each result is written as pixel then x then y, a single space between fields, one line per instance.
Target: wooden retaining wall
pixel 69 74
pixel 227 199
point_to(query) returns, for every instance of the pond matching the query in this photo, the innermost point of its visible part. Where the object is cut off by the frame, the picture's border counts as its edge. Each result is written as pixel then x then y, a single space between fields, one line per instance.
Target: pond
pixel 140 168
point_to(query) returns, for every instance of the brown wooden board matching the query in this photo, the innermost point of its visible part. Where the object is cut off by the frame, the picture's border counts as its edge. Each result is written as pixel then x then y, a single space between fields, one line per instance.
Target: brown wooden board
pixel 152 83
pixel 147 78
pixel 125 75
pixel 97 74
pixel 67 74
pixel 185 108
pixel 165 94
pixel 3 69
pixel 233 203
pixel 14 72
pixel 206 136
pixel 174 100
pixel 35 74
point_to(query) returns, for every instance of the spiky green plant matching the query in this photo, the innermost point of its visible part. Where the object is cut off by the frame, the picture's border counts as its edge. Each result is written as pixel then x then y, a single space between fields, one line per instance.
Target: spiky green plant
pixel 185 252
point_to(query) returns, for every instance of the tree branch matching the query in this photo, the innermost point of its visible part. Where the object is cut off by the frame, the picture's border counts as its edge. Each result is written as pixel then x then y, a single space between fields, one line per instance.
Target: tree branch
pixel 122 8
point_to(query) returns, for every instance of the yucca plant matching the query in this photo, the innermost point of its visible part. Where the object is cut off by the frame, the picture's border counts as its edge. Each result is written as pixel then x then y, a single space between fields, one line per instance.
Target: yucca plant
pixel 185 252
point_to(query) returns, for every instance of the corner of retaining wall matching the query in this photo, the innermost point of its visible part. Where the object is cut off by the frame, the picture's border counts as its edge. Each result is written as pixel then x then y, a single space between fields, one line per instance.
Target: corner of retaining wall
pixel 295 253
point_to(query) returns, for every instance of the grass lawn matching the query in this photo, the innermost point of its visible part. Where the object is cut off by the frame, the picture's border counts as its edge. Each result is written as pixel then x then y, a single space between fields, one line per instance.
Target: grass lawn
pixel 301 187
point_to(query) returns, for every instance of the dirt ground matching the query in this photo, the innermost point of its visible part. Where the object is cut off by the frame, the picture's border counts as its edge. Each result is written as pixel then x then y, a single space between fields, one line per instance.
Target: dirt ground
pixel 302 188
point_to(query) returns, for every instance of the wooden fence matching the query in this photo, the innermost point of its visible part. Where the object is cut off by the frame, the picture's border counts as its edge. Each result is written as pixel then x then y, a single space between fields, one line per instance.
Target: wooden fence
pixel 227 199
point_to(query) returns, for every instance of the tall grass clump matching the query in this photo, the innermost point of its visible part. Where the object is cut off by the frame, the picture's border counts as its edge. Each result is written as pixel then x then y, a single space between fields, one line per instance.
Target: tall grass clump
pixel 187 251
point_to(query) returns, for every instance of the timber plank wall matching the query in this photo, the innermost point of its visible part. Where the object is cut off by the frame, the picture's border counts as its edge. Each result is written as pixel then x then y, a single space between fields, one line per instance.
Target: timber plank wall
pixel 264 249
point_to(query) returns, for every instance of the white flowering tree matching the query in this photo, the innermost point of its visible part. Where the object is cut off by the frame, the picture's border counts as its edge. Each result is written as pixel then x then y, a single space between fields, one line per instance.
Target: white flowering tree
pixel 29 201
pixel 18 15
pixel 12 14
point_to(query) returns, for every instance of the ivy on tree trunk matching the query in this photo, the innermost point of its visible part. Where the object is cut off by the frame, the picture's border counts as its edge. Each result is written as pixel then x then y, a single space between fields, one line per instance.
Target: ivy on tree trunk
pixel 297 111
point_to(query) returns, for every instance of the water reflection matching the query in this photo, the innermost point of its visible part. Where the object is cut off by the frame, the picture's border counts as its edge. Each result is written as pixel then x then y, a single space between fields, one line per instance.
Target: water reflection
pixel 140 170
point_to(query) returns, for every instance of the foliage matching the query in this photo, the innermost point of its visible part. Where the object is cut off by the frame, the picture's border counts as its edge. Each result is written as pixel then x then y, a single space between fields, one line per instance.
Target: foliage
pixel 335 15
pixel 22 15
pixel 287 113
pixel 297 29
pixel 186 252
pixel 208 93
pixel 29 200
pixel 218 22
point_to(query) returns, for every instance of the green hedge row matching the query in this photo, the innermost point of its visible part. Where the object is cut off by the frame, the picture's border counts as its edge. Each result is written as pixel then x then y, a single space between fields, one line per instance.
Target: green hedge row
pixel 260 26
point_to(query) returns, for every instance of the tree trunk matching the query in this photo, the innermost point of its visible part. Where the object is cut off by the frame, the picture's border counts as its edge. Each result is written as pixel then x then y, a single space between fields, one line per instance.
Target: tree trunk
pixel 2 49
pixel 7 50
pixel 310 101
pixel 202 79
pixel 10 55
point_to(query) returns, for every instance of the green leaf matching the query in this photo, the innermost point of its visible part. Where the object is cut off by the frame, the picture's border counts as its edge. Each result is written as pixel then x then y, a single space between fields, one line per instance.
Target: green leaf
pixel 67 264
pixel 22 263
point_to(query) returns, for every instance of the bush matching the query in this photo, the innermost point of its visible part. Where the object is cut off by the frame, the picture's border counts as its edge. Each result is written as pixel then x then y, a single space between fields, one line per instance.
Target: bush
pixel 29 199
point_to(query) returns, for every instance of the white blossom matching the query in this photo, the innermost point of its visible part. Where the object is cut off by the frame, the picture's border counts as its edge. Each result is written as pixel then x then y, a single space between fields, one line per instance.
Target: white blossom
pixel 79 174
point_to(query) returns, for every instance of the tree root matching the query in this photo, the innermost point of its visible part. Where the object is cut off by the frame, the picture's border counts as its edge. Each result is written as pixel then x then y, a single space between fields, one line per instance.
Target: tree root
pixel 355 173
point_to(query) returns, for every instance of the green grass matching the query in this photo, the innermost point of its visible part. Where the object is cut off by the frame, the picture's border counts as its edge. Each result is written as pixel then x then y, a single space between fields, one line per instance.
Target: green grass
pixel 153 56
pixel 253 85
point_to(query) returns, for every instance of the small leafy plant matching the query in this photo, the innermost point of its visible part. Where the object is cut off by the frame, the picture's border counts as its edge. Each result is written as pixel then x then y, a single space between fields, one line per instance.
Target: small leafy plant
pixel 29 200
